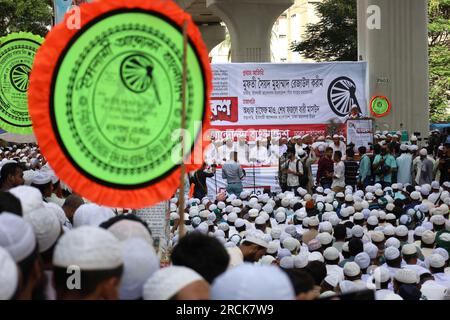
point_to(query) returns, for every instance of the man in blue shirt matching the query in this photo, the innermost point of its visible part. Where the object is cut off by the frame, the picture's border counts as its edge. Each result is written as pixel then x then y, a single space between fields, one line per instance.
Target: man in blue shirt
pixel 233 173
pixel 383 166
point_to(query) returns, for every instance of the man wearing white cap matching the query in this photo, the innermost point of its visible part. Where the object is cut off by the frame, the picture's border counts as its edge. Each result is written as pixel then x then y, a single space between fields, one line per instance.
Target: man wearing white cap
pixel 437 265
pixel 176 283
pixel 424 169
pixel 18 238
pixel 9 276
pixel 404 165
pixel 88 264
pixel 337 145
pixel 254 283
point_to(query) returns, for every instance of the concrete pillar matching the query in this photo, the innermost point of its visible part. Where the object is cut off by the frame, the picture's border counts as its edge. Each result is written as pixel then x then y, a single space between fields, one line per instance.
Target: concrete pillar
pixel 184 3
pixel 249 23
pixel 212 35
pixel 397 55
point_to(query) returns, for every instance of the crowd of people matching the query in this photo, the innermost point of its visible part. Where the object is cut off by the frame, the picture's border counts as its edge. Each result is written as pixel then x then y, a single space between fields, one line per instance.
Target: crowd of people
pixel 374 225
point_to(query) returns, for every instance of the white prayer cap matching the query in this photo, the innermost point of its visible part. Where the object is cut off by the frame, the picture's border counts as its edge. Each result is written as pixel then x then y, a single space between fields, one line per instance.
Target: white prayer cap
pixel 331 254
pixel 276 232
pixel 315 256
pixel 291 230
pixel 372 220
pixel 260 221
pixel 392 242
pixel 9 275
pixel 389 230
pixel 324 238
pixel 363 260
pixel 428 237
pixel 415 195
pixel 256 237
pixel 211 217
pixel 91 214
pixel 357 231
pixel 16 236
pixel 437 220
pixel 236 202
pixel 239 223
pixel 287 262
pixel 167 282
pixel 423 152
pixel 401 231
pixel 433 291
pixel 301 260
pixel 276 284
pixel 140 262
pixel 46 226
pixel 351 269
pixel 313 221
pixel 325 226
pixel 244 195
pixel 280 216
pixel 442 252
pixel 272 247
pixel 391 253
pixel 390 216
pixel 407 276
pixel 371 250
pixel 126 229
pixel 57 210
pixel 41 178
pixel 436 261
pixel 419 231
pixel 409 249
pixel 30 198
pixel 435 185
pixel 267 260
pixel 403 147
pixel 358 216
pixel 253 213
pixel 232 217
pixel 347 286
pixel 90 248
pixel 221 205
pixel 28 176
pixel 291 244
pixel 174 216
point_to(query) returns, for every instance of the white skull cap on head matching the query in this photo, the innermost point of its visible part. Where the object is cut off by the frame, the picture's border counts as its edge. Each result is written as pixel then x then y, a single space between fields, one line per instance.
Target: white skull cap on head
pixel 46 227
pixel 167 282
pixel 16 236
pixel 247 284
pixel 30 198
pixel 9 275
pixel 139 263
pixel 126 229
pixel 90 248
pixel 407 276
pixel 91 214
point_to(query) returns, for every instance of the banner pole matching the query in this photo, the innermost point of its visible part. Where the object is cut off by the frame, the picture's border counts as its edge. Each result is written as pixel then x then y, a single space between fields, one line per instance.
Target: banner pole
pixel 181 196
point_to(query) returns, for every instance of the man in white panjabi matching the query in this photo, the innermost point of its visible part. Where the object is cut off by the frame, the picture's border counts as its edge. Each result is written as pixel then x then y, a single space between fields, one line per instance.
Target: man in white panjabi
pixel 242 150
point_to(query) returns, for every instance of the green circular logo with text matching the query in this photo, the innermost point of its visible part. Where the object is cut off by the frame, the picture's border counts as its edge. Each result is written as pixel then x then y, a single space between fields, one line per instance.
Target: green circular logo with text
pixel 17 51
pixel 116 100
pixel 380 106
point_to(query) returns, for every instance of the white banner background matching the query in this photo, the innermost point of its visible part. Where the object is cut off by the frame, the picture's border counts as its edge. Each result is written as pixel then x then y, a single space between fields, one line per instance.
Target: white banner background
pixel 285 94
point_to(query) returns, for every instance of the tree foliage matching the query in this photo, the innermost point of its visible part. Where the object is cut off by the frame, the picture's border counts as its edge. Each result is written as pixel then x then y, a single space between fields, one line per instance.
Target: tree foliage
pixel 33 16
pixel 334 37
pixel 439 59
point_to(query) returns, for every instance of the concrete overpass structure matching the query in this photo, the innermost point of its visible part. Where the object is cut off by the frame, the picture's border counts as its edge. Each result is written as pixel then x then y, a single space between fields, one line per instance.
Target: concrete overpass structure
pixel 397 52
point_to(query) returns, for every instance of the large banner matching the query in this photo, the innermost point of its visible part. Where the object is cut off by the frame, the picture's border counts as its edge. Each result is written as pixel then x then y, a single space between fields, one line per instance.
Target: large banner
pixel 286 96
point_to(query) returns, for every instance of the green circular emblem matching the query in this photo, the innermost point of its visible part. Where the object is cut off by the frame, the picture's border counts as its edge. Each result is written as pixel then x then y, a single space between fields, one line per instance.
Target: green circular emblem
pixel 116 98
pixel 17 51
pixel 380 106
